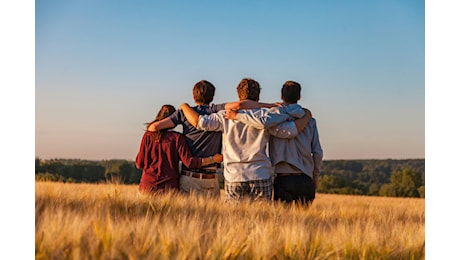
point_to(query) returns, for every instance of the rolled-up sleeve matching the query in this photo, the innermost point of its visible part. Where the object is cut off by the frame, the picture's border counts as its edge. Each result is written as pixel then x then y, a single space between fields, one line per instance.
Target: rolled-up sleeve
pixel 285 130
pixel 211 122
pixel 261 119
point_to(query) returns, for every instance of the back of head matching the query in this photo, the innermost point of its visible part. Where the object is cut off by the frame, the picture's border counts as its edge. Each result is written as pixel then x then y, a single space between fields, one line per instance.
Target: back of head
pixel 290 92
pixel 248 89
pixel 165 111
pixel 203 92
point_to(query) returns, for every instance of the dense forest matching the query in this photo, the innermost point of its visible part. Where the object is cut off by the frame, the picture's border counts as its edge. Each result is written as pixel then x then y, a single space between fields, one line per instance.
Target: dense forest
pixel 395 178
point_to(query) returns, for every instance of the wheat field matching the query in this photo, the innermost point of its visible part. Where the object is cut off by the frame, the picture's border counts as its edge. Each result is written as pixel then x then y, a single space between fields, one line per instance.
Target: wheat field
pixel 114 221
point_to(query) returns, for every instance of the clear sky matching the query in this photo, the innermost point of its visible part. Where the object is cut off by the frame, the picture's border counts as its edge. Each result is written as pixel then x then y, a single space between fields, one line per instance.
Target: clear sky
pixel 103 68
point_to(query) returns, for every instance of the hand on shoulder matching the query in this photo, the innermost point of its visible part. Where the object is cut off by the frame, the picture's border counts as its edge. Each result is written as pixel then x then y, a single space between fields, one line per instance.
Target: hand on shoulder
pixel 230 114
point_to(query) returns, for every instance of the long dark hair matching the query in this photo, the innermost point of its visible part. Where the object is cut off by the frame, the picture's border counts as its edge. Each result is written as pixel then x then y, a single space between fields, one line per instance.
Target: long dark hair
pixel 165 111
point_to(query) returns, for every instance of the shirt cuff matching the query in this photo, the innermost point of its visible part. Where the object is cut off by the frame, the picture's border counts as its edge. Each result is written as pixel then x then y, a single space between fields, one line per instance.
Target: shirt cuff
pixel 200 123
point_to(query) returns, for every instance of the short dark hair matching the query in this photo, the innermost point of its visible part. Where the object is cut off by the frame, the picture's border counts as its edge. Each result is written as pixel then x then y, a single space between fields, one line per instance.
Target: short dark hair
pixel 203 92
pixel 290 92
pixel 248 89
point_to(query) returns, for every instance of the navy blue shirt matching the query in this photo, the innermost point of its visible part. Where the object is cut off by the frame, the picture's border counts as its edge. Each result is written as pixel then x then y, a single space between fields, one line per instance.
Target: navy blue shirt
pixel 201 143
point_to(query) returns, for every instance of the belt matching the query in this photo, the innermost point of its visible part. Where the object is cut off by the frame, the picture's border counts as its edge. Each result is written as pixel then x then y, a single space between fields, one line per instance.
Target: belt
pixel 201 170
pixel 288 174
pixel 199 175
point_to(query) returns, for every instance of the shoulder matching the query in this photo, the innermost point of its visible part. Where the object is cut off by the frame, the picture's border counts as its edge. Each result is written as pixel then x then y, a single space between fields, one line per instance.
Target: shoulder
pixel 312 122
pixel 177 117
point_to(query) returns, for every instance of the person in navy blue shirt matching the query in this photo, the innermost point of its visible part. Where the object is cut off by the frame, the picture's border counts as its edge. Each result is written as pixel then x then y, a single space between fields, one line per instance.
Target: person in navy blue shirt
pixel 202 143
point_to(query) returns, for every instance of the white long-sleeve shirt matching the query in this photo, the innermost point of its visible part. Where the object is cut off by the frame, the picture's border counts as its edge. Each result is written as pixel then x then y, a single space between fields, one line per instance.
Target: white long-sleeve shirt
pixel 244 146
pixel 301 154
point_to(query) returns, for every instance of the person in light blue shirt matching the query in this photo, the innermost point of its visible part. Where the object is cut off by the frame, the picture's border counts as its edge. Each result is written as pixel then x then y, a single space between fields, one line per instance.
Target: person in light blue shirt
pixel 297 160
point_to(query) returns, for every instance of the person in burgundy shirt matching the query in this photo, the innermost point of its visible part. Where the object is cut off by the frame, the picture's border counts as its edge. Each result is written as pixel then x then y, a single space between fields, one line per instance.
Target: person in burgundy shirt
pixel 159 156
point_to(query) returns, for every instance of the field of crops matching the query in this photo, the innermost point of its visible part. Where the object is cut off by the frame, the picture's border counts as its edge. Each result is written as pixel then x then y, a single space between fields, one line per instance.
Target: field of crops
pixel 113 221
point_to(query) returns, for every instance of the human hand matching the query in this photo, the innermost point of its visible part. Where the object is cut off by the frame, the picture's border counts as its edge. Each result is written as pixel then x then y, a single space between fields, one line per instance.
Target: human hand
pixel 217 158
pixel 230 114
pixel 152 128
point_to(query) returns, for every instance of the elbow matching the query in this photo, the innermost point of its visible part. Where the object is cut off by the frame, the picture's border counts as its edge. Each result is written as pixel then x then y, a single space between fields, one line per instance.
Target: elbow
pixel 238 106
pixel 318 156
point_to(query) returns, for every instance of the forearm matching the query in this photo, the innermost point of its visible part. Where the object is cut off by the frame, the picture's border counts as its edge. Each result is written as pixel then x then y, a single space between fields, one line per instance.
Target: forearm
pixel 217 158
pixel 285 130
pixel 233 105
pixel 191 115
pixel 251 104
pixel 302 122
pixel 160 125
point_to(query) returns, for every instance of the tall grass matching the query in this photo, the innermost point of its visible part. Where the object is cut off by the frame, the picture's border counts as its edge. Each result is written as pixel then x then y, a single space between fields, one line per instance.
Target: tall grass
pixel 113 221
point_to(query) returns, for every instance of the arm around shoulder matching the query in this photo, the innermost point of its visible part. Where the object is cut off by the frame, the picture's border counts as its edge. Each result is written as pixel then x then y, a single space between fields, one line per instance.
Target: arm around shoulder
pixel 160 125
pixel 191 115
pixel 302 122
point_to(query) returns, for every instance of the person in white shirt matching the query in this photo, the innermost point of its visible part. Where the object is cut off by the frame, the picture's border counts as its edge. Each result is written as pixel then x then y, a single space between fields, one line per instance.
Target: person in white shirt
pixel 298 160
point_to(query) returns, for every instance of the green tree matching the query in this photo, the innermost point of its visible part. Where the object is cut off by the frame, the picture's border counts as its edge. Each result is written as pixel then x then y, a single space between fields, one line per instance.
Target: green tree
pixel 421 191
pixel 404 183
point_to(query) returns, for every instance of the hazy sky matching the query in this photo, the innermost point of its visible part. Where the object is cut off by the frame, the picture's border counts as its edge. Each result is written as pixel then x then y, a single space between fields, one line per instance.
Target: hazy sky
pixel 103 68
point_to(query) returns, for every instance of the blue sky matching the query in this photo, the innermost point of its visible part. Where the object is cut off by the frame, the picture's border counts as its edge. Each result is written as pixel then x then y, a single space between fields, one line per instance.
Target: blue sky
pixel 103 68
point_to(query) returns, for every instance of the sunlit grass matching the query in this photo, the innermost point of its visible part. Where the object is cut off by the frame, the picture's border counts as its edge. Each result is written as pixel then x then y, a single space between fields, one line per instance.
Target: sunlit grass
pixel 113 221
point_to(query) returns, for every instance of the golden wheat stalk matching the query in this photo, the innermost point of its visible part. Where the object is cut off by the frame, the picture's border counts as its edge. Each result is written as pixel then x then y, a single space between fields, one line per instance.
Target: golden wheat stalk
pixel 113 221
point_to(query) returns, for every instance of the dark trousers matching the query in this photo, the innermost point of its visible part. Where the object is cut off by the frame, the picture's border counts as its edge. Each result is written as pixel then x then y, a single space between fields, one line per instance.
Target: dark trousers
pixel 299 188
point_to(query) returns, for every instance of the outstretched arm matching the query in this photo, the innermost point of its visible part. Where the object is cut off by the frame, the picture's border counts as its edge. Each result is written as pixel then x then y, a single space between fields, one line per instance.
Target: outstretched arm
pixel 248 104
pixel 258 119
pixel 160 125
pixel 191 115
pixel 233 105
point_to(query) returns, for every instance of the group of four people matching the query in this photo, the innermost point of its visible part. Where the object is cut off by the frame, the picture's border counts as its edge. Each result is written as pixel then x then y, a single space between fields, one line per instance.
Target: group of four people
pixel 241 131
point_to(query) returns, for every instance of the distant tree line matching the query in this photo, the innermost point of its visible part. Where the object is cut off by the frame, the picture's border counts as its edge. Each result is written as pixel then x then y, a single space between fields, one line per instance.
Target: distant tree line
pixel 395 178
pixel 75 170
